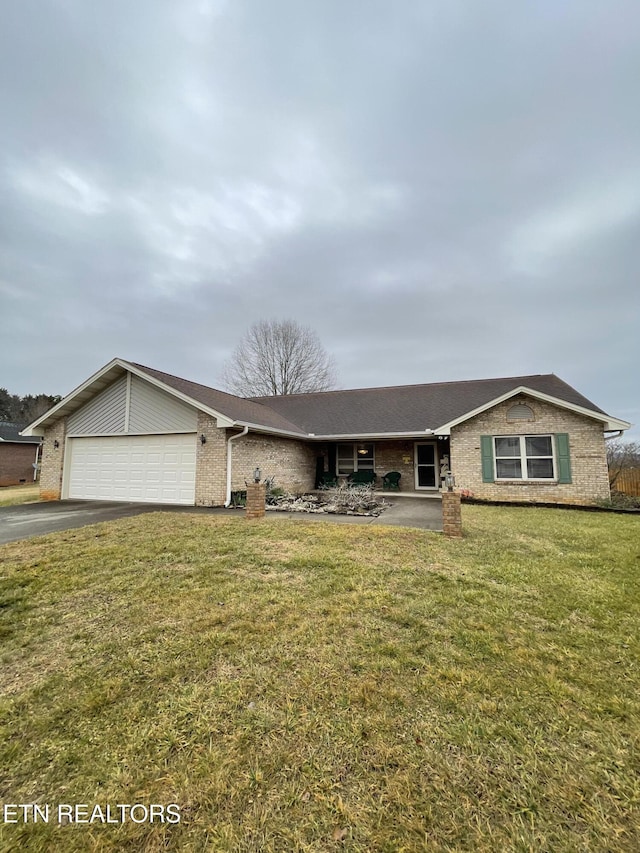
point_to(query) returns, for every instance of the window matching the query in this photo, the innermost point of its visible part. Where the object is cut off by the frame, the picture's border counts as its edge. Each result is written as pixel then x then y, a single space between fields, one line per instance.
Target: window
pixel 520 412
pixel 354 457
pixel 524 457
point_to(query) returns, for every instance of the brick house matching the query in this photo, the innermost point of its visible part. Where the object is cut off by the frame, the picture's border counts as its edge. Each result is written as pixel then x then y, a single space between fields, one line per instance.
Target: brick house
pixel 18 455
pixel 133 433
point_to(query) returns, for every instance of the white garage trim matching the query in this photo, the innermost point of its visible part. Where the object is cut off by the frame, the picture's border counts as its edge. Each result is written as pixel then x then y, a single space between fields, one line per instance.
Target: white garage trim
pixel 139 468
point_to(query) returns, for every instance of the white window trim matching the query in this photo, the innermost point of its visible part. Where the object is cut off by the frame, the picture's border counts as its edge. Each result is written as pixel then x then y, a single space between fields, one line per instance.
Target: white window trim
pixel 523 460
pixel 354 446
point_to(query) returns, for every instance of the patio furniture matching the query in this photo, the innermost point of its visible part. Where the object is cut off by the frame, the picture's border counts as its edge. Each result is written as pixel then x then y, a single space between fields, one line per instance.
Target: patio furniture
pixel 391 481
pixel 328 481
pixel 362 478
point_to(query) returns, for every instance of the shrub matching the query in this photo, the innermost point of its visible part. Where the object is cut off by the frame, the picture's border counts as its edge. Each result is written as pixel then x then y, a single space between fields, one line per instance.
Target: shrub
pixel 620 500
pixel 347 497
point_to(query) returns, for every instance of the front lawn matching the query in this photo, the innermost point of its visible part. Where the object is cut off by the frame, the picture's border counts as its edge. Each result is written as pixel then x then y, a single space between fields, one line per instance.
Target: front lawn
pixel 10 495
pixel 318 687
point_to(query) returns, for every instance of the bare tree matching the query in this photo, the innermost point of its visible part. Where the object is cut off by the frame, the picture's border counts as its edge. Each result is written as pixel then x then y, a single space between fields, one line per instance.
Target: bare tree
pixel 279 357
pixel 621 456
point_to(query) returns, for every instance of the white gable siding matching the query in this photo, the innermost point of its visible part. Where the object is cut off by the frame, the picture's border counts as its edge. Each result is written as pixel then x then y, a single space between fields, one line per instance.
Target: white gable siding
pixel 151 410
pixel 104 414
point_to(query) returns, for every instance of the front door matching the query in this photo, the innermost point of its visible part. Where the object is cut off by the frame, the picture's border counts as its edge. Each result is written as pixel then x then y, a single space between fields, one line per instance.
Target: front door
pixel 426 465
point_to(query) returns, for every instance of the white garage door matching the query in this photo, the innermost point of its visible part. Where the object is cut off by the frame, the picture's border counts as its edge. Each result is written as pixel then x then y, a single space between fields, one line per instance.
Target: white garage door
pixel 147 468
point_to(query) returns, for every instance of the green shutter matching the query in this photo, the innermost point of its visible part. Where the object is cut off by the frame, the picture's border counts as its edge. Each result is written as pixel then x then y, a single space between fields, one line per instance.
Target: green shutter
pixel 563 458
pixel 486 451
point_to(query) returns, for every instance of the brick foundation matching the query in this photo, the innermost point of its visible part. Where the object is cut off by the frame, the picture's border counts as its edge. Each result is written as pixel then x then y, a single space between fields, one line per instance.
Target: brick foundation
pixel 451 515
pixel 256 494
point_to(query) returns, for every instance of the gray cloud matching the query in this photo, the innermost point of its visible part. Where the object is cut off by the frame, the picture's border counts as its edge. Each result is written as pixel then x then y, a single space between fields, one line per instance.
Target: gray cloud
pixel 442 191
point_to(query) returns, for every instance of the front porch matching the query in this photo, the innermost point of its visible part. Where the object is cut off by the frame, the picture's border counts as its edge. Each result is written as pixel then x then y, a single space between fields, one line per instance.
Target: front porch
pixel 435 495
pixel 419 461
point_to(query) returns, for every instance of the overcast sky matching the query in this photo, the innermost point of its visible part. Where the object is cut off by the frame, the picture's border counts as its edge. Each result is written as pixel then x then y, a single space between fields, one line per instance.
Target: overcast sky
pixel 442 190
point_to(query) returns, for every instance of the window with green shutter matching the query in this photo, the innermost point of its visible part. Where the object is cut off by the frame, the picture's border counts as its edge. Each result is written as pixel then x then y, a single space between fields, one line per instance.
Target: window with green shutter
pixel 526 457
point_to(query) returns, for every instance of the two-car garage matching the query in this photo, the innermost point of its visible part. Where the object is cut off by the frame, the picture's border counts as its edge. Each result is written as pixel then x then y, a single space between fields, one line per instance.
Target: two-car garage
pixel 148 468
pixel 132 441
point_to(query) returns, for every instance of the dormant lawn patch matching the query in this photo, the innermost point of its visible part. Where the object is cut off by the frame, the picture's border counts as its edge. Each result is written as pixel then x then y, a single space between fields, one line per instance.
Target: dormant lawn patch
pixel 11 495
pixel 313 687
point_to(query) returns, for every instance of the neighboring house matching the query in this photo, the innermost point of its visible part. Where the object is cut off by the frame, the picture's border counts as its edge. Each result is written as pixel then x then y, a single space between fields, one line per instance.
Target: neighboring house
pixel 131 433
pixel 18 455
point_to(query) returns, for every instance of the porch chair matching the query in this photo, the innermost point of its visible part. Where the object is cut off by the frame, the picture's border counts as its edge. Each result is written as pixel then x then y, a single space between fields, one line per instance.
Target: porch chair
pixel 328 481
pixel 362 478
pixel 391 481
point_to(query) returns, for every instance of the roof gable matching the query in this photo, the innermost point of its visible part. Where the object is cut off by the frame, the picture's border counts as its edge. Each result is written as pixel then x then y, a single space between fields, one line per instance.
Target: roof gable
pixel 226 408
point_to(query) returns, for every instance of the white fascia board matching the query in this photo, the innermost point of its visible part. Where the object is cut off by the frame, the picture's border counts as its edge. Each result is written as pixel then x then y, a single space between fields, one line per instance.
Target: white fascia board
pixel 269 430
pixel 310 436
pixel 372 435
pixel 606 420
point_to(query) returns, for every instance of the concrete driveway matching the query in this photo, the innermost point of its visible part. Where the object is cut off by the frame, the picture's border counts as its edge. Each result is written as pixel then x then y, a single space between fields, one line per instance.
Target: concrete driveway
pixel 26 520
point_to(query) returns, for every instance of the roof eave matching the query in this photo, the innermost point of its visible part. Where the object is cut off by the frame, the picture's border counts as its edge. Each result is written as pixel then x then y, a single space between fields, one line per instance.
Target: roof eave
pixel 357 436
pixel 350 436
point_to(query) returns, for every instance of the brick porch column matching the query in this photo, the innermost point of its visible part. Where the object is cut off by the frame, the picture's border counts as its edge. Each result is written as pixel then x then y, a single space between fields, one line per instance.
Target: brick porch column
pixel 256 493
pixel 451 515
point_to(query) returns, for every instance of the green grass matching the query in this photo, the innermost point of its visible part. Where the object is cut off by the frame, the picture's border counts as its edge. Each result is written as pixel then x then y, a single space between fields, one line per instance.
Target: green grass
pixel 11 495
pixel 319 687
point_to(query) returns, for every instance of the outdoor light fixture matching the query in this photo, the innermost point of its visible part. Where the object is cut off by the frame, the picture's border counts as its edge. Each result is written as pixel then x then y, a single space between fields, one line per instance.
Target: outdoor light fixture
pixel 256 475
pixel 203 438
pixel 449 481
pixel 56 443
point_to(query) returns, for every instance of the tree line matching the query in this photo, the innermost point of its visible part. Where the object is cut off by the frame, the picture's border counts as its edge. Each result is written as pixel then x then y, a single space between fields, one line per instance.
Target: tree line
pixel 24 410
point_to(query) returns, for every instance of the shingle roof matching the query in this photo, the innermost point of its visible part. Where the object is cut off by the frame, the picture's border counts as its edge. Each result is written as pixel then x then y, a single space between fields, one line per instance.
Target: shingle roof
pixel 402 409
pixel 392 409
pixel 408 408
pixel 11 432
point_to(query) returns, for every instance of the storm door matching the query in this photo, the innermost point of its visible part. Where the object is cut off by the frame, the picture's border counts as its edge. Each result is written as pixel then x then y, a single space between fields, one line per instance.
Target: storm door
pixel 426 463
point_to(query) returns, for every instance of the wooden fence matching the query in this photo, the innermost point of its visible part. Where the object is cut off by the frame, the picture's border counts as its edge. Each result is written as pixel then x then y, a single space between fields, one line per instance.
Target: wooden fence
pixel 628 482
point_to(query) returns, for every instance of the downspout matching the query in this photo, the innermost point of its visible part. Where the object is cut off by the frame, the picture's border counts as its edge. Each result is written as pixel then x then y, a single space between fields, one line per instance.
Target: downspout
pixel 615 435
pixel 229 448
pixel 35 464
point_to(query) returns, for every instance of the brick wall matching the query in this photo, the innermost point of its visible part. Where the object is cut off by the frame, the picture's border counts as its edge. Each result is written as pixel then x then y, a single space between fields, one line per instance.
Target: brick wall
pixel 590 479
pixel 291 462
pixel 16 462
pixel 211 463
pixel 390 456
pixel 52 459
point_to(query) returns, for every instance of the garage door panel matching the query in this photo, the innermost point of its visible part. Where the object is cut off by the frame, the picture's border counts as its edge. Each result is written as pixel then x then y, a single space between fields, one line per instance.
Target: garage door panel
pixel 153 469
